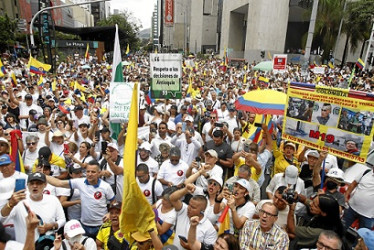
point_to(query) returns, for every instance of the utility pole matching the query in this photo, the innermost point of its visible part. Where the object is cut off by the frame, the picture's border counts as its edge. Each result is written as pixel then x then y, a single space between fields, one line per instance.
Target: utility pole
pixel 369 47
pixel 312 24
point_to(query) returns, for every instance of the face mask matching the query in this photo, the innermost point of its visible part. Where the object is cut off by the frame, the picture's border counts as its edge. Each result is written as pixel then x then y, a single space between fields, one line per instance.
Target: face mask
pixel 74 239
pixel 330 185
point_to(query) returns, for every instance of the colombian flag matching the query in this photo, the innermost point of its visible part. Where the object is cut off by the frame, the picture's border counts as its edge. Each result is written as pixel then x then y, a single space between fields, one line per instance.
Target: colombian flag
pixel 2 67
pixel 63 108
pixel 37 67
pixel 13 80
pixel 224 221
pixel 360 63
pixel 263 80
pixel 87 55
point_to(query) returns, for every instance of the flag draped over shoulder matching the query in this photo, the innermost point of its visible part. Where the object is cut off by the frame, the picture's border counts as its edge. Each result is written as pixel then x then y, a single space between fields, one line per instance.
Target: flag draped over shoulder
pixel 15 154
pixel 136 214
pixel 37 67
pixel 117 76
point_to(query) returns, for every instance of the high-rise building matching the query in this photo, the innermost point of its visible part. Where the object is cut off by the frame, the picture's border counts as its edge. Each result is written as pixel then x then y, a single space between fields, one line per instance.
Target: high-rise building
pixel 155 27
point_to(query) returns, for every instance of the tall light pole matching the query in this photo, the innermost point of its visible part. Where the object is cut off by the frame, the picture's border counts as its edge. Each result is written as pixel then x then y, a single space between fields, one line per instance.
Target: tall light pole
pixel 369 46
pixel 52 8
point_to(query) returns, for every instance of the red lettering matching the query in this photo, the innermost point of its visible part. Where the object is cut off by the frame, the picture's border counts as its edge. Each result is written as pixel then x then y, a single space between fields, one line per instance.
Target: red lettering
pixel 314 134
pixel 330 138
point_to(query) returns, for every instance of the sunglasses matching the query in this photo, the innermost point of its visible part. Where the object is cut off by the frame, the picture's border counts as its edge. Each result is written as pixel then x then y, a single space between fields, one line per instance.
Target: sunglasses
pixel 213 118
pixel 213 182
pixel 6 134
pixel 30 143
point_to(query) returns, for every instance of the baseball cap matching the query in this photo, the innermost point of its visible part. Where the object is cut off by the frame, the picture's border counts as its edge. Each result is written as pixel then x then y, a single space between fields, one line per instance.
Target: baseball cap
pixel 291 144
pixel 42 121
pixel 28 96
pixel 146 146
pixel 159 109
pixel 212 153
pixel 5 160
pixel 170 247
pixel 73 228
pixel 44 152
pixel 36 177
pixel 291 174
pixel 313 153
pixel 336 173
pixel 188 119
pixel 116 205
pixel 246 145
pixel 216 178
pixel 83 122
pixel 105 130
pixel 32 112
pixel 2 139
pixel 78 107
pixel 209 102
pixel 139 237
pixel 113 145
pixel 75 168
pixel 368 236
pixel 245 184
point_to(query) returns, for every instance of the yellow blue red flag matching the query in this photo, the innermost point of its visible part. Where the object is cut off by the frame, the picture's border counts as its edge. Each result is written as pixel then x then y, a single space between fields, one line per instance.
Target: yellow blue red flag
pixel 37 67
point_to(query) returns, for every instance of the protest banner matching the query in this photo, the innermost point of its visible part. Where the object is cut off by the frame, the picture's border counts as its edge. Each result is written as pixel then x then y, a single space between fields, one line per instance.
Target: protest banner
pixel 120 100
pixel 339 121
pixel 166 74
pixel 279 63
pixel 319 70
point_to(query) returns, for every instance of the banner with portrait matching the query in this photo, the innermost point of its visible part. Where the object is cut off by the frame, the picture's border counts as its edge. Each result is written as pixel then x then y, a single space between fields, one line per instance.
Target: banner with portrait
pixel 339 121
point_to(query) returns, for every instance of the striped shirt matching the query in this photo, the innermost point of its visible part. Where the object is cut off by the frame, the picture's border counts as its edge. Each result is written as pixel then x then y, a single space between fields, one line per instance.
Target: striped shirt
pixel 252 237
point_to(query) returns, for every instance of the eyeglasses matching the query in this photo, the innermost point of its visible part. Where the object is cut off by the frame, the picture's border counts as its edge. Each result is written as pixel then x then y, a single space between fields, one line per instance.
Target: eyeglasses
pixel 267 213
pixel 213 182
pixel 6 134
pixel 30 143
pixel 320 245
pixel 213 118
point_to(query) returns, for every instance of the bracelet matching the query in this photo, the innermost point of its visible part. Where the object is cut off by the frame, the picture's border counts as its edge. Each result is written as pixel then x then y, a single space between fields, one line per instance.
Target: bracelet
pixel 8 205
pixel 217 201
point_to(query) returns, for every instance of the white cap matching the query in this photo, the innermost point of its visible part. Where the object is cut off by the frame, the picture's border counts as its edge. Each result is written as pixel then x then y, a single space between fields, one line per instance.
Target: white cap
pixel 291 144
pixel 336 173
pixel 217 179
pixel 159 109
pixel 188 119
pixel 245 184
pixel 313 153
pixel 146 146
pixel 291 174
pixel 113 145
pixel 212 153
pixel 73 228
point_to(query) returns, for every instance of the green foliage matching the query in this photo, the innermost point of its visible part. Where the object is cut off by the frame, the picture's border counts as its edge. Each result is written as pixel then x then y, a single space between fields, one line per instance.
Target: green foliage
pixel 64 36
pixel 7 29
pixel 128 28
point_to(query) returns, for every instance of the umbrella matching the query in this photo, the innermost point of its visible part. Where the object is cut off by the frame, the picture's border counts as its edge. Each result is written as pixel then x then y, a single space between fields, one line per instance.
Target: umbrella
pixel 266 101
pixel 86 66
pixel 264 66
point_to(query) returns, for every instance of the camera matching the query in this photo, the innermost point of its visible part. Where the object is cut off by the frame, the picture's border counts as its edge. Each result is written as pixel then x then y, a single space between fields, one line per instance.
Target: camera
pixel 218 124
pixel 289 196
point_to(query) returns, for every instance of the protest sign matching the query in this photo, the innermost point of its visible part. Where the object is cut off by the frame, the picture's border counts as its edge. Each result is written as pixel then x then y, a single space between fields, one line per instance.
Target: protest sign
pixel 120 100
pixel 166 73
pixel 279 63
pixel 337 120
pixel 319 70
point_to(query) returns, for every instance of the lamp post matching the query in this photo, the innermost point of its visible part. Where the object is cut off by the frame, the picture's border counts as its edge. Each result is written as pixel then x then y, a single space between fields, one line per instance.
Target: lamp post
pixel 369 46
pixel 52 8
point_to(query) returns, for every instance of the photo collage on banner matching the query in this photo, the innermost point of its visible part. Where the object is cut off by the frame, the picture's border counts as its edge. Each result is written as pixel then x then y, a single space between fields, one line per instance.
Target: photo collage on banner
pixel 337 120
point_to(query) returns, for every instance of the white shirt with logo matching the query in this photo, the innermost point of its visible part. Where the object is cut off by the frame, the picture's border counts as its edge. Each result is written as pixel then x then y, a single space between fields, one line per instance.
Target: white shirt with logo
pixel 175 174
pixel 147 189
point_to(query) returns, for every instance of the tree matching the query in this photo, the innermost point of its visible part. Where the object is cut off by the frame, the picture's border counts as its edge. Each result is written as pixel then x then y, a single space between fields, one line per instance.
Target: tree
pixel 7 32
pixel 130 29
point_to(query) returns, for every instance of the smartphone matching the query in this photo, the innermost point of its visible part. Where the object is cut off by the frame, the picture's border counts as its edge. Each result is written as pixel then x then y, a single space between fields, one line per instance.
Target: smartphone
pixel 104 145
pixel 198 161
pixel 26 207
pixel 258 124
pixel 20 184
pixel 182 238
pixel 230 187
pixel 66 149
pixel 97 134
pixel 218 124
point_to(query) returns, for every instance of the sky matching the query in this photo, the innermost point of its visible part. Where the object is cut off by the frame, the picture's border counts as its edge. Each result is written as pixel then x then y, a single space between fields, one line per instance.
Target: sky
pixel 141 9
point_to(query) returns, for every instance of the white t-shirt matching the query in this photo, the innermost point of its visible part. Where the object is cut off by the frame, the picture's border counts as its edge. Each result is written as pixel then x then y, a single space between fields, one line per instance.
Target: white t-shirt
pixel 49 190
pixel 205 131
pixel 175 174
pixel 247 210
pixel 29 158
pixel 156 143
pixel 189 150
pixel 205 232
pixel 94 199
pixel 73 212
pixel 356 170
pixel 147 189
pixel 362 200
pixel 151 163
pixel 57 149
pixel 168 217
pixel 49 209
pixel 201 181
pixel 12 245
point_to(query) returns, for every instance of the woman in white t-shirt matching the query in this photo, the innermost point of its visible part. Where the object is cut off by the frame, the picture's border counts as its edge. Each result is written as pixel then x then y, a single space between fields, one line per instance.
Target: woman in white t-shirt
pixel 166 216
pixel 83 157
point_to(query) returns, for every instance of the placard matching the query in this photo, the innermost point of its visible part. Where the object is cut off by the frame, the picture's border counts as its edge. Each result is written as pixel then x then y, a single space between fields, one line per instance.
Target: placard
pixel 337 120
pixel 120 101
pixel 279 63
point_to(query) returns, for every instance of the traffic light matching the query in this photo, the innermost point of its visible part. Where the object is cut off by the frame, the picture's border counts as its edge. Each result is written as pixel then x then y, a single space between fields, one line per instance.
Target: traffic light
pixel 34 51
pixel 262 53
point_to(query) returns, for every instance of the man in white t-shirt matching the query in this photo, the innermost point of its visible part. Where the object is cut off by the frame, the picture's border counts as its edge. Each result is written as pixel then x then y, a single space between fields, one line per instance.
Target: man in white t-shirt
pixel 144 156
pixel 47 207
pixel 95 195
pixel 205 232
pixel 173 171
pixel 151 187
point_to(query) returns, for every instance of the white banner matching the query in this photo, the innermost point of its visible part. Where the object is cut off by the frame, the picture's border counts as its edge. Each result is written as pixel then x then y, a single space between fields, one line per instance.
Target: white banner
pixel 120 101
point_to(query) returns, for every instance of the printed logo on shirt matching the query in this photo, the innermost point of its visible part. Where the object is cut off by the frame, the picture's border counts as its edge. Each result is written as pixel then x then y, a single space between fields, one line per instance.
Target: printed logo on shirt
pixel 98 195
pixel 180 173
pixel 147 193
pixel 46 192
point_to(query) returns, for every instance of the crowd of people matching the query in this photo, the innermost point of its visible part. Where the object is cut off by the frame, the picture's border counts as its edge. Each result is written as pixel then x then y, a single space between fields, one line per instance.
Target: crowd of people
pixel 196 164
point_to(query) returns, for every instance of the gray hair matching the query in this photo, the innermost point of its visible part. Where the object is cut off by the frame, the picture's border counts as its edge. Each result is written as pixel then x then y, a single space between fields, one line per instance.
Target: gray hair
pixel 175 152
pixel 332 235
pixel 32 138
